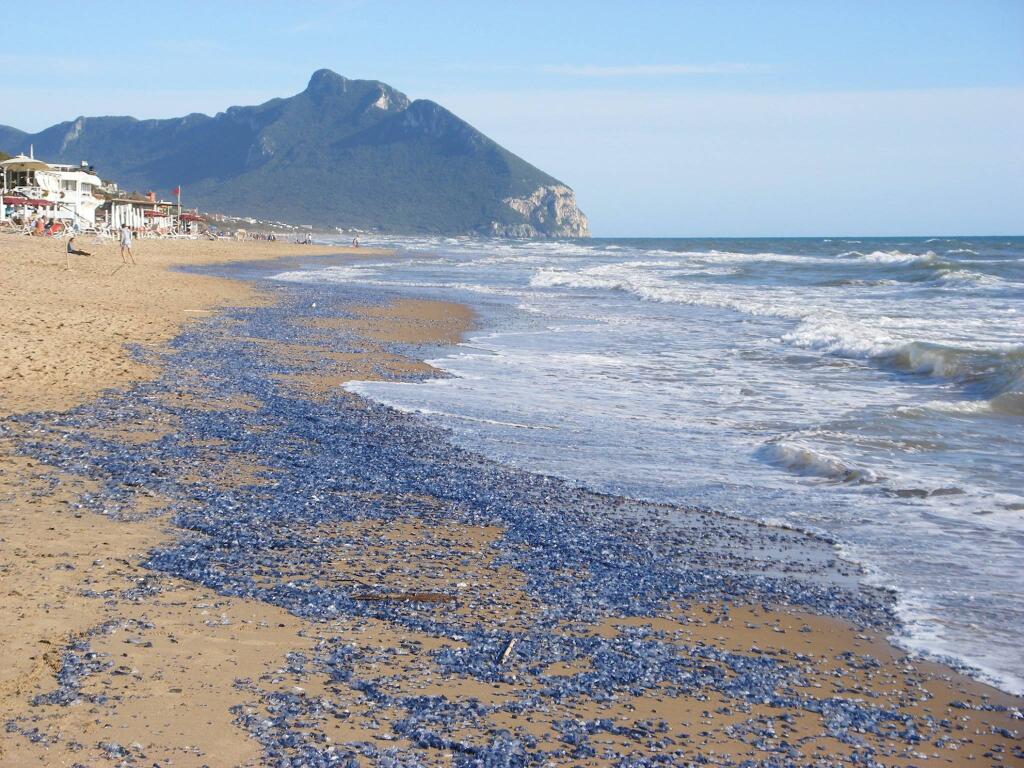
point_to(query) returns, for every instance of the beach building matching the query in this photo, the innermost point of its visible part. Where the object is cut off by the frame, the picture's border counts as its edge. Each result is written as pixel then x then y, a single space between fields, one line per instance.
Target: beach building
pixel 77 198
pixel 145 213
pixel 135 210
pixel 66 193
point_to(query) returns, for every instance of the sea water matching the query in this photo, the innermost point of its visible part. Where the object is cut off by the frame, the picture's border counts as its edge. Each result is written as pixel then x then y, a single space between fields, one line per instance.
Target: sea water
pixel 868 389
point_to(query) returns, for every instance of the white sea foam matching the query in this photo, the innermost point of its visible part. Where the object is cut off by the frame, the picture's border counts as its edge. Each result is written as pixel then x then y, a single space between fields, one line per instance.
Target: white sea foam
pixel 327 275
pixel 650 286
pixel 370 274
pixel 960 407
pixel 926 634
pixel 822 329
pixel 892 257
pixel 803 460
pixel 368 389
pixel 838 335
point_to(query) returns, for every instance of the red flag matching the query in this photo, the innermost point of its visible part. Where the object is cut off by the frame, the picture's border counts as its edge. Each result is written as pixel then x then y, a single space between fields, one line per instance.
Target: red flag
pixel 176 191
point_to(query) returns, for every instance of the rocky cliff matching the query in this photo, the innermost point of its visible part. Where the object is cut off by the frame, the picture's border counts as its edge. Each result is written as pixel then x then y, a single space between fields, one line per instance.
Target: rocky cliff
pixel 549 211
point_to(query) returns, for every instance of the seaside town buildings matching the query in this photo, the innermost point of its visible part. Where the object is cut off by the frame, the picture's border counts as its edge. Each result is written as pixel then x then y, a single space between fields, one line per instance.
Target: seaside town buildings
pixel 65 193
pixel 78 199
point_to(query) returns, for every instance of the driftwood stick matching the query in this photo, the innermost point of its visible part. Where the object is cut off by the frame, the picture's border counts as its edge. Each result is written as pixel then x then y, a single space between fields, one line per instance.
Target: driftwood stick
pixel 508 651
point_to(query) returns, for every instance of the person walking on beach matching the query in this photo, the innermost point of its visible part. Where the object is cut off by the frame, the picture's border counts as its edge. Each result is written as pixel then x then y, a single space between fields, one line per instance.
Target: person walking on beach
pixel 126 244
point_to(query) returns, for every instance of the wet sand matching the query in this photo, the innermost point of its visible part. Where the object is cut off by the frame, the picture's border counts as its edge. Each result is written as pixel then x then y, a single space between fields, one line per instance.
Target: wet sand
pixel 108 662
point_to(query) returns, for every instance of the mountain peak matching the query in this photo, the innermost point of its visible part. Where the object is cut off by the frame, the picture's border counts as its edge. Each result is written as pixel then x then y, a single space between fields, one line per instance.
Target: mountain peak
pixel 326 80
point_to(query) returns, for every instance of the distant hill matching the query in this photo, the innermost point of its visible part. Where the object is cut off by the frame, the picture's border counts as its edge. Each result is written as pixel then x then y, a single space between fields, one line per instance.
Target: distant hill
pixel 351 153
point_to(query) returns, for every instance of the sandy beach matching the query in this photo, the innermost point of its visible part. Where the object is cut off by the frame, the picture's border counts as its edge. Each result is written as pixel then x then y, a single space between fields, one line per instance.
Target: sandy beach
pixel 155 616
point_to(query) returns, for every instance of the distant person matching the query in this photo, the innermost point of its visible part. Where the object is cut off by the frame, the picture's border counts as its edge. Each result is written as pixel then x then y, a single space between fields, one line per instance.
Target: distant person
pixel 73 250
pixel 39 227
pixel 355 241
pixel 126 244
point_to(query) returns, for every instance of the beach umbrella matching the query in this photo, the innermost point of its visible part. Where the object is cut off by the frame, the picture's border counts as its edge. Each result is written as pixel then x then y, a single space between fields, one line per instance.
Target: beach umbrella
pixel 24 163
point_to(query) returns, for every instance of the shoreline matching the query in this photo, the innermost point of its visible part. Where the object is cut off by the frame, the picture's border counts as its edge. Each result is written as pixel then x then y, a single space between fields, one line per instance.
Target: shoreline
pixel 299 368
pixel 847 468
pixel 865 576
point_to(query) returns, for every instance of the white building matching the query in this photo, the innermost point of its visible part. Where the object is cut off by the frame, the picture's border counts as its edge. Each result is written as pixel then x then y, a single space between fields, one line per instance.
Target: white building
pixel 32 187
pixel 136 211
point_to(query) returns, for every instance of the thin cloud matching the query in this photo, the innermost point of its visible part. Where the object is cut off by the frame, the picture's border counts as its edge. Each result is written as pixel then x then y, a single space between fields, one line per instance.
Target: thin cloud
pixel 54 64
pixel 324 22
pixel 649 70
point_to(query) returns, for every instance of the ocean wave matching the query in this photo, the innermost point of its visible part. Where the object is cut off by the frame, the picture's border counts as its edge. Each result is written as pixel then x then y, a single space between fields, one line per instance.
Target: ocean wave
pixel 891 257
pixel 553 277
pixel 736 256
pixel 840 336
pixel 956 407
pixel 802 460
pixel 968 278
pixel 650 287
pixel 991 371
pixel 1009 403
pixel 529 258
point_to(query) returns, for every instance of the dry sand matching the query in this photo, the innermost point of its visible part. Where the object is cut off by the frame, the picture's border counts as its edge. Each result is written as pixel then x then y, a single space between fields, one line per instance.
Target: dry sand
pixel 64 330
pixel 177 653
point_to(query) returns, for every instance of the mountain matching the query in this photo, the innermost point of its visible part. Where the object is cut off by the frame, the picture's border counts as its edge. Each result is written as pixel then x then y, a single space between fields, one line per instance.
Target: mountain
pixel 350 153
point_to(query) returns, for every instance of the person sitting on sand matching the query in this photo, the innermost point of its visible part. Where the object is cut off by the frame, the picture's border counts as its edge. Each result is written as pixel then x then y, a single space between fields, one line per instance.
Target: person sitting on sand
pixel 73 251
pixel 126 244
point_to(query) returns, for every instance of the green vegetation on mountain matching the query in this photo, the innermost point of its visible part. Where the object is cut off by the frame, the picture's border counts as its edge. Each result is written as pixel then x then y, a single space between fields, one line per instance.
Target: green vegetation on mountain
pixel 350 153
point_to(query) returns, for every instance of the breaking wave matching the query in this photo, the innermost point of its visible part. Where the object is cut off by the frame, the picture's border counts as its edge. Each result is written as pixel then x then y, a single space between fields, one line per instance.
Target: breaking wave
pixel 996 373
pixel 802 460
pixel 892 257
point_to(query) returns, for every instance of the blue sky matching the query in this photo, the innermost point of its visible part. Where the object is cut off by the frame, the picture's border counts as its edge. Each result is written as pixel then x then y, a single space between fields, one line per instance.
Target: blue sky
pixel 668 118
